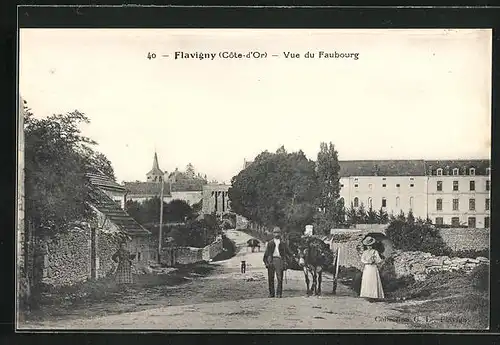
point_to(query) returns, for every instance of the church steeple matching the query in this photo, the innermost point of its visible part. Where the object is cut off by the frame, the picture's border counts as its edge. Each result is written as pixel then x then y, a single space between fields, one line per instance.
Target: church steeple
pixel 155 175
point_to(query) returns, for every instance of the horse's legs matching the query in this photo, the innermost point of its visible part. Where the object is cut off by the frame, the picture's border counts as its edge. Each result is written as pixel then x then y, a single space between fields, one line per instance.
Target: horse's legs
pixel 306 276
pixel 320 274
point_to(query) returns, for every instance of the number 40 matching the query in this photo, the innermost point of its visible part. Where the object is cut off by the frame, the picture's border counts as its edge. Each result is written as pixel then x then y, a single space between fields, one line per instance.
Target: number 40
pixel 151 56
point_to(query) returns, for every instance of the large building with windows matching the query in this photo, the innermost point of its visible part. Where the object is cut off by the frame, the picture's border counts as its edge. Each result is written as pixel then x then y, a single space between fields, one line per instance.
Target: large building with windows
pixel 453 192
pixel 458 193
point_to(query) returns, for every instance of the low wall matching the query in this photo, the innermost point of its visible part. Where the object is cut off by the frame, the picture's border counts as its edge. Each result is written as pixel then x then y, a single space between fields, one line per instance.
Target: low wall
pixel 371 227
pixel 420 264
pixel 172 256
pixel 189 255
pixel 212 250
pixel 466 238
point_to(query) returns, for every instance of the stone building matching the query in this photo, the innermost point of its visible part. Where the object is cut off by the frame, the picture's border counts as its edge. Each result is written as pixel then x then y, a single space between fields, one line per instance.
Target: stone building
pixel 459 192
pixel 85 250
pixel 176 186
pixel 155 174
pixel 393 185
pixel 216 199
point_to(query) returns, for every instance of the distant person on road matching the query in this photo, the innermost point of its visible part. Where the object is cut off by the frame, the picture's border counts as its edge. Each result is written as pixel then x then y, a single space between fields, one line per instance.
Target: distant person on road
pixel 124 269
pixel 371 284
pixel 276 257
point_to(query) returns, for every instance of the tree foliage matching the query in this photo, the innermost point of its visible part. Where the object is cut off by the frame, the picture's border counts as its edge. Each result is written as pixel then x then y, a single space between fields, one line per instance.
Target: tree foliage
pixel 57 157
pixel 327 169
pixel 196 233
pixel 331 211
pixel 371 216
pixel 382 216
pixel 277 189
pixel 148 212
pixel 410 234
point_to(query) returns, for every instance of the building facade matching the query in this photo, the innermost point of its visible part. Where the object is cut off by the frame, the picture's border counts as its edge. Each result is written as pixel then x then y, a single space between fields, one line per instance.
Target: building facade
pixel 176 186
pixel 451 192
pixel 216 199
pixel 459 193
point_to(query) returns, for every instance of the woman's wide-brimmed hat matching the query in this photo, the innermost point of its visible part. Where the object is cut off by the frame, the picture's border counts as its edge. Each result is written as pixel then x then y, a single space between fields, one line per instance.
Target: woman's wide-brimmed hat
pixel 368 241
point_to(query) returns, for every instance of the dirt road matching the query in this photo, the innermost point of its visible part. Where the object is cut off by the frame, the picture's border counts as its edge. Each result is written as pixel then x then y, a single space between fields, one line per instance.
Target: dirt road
pixel 228 299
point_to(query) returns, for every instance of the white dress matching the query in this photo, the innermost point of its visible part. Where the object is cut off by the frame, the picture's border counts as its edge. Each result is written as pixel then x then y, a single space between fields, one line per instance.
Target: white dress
pixel 371 285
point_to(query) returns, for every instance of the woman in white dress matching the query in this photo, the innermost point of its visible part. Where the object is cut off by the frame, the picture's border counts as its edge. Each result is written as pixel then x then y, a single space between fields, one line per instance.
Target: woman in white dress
pixel 371 285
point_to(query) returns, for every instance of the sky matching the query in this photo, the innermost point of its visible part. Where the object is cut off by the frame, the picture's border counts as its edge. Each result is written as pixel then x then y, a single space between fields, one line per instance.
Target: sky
pixel 411 94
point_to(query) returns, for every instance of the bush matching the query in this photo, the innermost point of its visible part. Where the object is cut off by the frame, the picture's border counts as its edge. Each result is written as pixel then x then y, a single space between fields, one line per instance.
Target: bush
pixel 480 277
pixel 416 235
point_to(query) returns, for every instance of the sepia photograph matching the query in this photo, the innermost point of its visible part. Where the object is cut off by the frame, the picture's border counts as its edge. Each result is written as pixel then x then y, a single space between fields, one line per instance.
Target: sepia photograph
pixel 253 179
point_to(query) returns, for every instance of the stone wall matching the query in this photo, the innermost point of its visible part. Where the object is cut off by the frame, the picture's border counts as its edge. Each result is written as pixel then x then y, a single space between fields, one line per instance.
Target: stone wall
pixel 466 238
pixel 107 245
pixel 420 264
pixel 172 256
pixel 349 243
pixel 212 250
pixel 371 227
pixel 66 258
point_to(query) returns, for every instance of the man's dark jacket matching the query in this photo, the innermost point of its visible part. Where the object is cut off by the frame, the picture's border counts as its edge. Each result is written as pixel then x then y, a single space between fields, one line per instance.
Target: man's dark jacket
pixel 283 249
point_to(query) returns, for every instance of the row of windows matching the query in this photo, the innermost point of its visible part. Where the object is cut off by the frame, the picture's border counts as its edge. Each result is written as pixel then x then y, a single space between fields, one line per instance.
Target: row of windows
pixel 471 221
pixel 439 203
pixel 456 204
pixel 472 186
pixel 370 185
pixel 455 171
pixel 439 185
pixel 384 202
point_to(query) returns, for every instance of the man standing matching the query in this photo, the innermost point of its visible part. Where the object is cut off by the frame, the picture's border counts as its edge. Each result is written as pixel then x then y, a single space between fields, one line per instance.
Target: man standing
pixel 276 257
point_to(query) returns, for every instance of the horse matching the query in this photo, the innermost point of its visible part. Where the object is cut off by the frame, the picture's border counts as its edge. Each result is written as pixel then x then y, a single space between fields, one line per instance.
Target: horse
pixel 314 256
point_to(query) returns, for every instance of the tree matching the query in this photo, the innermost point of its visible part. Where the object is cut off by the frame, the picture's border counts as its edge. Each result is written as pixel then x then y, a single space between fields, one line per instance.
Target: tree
pixel 327 170
pixel 382 216
pixel 352 215
pixel 57 157
pixel 277 189
pixel 410 218
pixel 177 211
pixel 416 235
pixel 362 215
pixel 148 212
pixel 340 213
pixel 371 217
pixel 190 172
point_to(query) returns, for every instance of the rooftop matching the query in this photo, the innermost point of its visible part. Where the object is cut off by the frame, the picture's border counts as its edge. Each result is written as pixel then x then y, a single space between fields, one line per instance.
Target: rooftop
pixel 382 168
pixel 114 212
pixel 147 188
pixel 102 181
